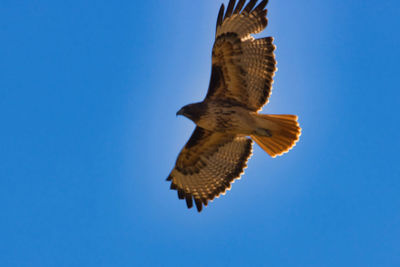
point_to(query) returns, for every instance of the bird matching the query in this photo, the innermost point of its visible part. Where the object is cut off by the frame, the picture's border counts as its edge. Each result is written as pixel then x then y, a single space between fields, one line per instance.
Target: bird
pixel 228 119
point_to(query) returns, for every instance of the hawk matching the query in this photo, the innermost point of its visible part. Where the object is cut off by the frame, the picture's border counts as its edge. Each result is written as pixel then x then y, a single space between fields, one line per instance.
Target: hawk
pixel 227 120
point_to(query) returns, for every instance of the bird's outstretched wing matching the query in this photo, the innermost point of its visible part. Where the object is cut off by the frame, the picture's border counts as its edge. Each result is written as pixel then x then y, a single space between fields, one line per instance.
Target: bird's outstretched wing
pixel 242 66
pixel 208 164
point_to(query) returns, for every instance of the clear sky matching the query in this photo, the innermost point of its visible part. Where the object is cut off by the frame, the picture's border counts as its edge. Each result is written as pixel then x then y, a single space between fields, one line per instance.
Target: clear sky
pixel 88 96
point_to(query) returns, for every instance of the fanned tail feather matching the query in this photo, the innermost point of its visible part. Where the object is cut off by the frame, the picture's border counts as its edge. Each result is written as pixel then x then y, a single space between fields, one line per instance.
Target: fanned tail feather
pixel 284 133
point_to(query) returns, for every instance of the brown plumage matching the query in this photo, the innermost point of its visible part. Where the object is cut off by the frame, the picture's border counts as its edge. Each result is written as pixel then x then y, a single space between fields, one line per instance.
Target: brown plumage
pixel 241 81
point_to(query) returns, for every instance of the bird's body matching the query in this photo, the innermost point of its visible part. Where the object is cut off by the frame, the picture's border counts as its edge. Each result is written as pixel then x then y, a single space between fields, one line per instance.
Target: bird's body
pixel 240 84
pixel 225 117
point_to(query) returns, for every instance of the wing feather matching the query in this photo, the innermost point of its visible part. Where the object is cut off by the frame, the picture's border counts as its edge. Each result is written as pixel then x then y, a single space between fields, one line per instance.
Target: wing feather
pixel 239 6
pixel 250 6
pixel 207 166
pixel 261 6
pixel 220 16
pixel 229 9
pixel 242 67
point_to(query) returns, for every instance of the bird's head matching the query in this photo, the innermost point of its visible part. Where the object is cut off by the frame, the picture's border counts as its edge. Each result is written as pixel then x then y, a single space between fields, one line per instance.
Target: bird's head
pixel 192 111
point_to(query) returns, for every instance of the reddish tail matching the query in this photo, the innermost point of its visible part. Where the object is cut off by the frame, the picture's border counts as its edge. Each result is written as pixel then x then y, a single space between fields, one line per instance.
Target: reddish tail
pixel 284 130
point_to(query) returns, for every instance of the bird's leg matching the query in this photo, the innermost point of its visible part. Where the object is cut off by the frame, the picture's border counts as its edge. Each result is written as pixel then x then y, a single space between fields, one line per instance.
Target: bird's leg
pixel 262 132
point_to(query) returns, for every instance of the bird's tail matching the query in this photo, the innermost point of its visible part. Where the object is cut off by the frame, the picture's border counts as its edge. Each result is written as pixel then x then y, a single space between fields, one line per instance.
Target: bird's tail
pixel 276 134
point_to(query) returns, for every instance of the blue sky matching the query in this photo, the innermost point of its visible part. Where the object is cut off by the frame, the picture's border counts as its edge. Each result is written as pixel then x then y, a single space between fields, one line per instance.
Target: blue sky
pixel 88 96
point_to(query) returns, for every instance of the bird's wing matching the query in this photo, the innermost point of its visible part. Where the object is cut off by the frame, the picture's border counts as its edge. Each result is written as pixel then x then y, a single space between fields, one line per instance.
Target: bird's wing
pixel 208 164
pixel 242 66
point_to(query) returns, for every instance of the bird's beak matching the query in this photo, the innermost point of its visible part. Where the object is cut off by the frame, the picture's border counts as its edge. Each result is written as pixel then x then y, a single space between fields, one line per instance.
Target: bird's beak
pixel 180 112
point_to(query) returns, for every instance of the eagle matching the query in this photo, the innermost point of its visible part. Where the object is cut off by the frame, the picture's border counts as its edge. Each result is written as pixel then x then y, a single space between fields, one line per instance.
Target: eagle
pixel 227 120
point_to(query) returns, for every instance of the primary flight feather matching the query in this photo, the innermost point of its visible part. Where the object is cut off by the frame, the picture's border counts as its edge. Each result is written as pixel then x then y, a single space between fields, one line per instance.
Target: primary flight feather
pixel 241 81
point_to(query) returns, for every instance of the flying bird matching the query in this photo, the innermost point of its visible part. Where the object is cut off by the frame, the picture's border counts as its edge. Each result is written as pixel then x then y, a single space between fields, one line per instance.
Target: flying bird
pixel 227 120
